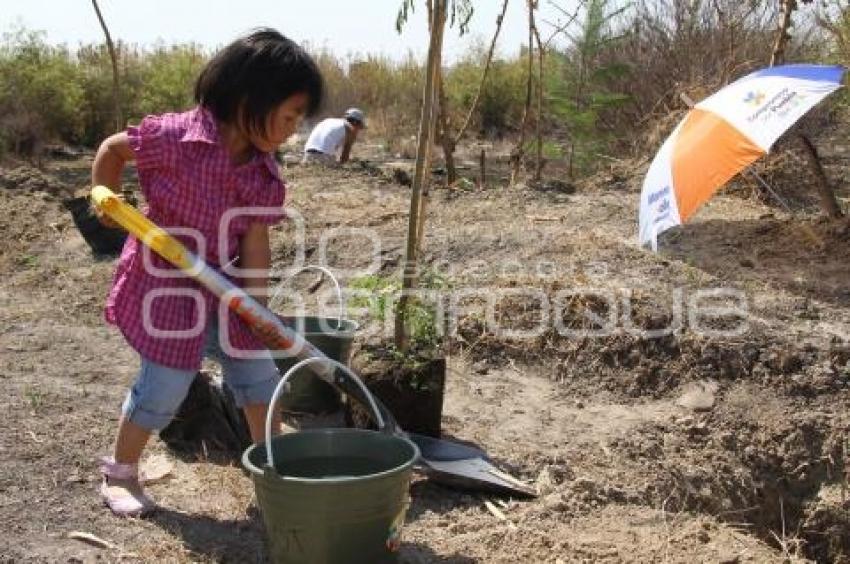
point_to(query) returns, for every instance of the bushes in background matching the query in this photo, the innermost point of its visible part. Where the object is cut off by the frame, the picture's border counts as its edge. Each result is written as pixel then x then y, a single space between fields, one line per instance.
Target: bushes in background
pixel 621 71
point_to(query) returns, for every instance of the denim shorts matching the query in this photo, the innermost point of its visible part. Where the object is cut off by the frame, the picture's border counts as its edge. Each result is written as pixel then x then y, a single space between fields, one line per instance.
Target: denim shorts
pixel 159 390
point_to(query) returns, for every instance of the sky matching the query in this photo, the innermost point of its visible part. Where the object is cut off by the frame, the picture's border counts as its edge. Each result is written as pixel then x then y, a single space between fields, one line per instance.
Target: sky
pixel 347 27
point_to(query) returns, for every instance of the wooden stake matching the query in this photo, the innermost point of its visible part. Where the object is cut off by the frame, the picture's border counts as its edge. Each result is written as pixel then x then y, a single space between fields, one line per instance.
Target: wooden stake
pixel 482 161
pixel 519 150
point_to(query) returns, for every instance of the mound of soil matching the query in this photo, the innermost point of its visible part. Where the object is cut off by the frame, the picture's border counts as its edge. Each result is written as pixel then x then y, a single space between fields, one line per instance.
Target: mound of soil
pixel 29 179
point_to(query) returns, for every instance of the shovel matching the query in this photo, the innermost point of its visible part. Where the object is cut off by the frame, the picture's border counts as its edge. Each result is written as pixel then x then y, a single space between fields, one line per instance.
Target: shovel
pixel 445 462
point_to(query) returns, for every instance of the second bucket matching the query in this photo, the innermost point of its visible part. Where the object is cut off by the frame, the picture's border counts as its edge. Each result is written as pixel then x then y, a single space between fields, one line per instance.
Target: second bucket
pixel 331 335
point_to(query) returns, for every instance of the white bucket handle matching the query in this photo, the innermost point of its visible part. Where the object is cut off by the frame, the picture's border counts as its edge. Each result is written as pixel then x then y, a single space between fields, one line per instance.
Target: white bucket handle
pixel 281 386
pixel 330 275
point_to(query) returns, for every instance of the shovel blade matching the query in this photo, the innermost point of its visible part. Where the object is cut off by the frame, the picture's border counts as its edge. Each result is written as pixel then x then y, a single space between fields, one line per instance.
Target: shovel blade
pixel 476 474
pixel 463 467
pixel 443 450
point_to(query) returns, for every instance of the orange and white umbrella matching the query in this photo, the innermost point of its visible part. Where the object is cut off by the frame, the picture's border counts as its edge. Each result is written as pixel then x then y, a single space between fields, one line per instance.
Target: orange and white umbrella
pixel 724 134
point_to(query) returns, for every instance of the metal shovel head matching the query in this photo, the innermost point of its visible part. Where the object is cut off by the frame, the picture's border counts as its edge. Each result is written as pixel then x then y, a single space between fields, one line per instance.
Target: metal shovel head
pixel 459 466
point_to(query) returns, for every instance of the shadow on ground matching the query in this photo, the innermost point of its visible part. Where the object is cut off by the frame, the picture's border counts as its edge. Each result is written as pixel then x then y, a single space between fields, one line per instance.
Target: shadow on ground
pixel 236 540
pixel 416 553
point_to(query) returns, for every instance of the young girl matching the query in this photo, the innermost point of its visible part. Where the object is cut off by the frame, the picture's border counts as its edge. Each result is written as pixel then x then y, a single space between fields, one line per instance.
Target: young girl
pixel 194 169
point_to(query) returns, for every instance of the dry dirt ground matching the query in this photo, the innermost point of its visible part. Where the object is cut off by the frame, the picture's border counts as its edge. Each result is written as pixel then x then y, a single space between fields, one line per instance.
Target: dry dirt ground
pixel 629 466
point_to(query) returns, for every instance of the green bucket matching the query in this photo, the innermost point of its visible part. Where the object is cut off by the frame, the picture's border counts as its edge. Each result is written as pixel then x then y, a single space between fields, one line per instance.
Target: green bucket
pixel 333 337
pixel 332 496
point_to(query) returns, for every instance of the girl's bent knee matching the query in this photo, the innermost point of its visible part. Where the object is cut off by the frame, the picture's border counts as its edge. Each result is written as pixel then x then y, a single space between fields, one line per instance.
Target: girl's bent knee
pixel 251 381
pixel 156 395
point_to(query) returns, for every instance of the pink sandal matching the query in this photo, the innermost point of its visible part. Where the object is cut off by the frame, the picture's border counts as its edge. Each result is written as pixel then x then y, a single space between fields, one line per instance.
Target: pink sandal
pixel 122 489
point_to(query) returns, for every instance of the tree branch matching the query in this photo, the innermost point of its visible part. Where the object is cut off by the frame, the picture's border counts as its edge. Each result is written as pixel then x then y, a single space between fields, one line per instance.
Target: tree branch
pixel 116 92
pixel 499 19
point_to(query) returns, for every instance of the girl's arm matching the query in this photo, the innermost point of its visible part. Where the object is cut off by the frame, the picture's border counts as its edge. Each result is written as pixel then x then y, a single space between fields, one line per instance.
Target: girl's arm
pixel 255 253
pixel 109 161
pixel 108 165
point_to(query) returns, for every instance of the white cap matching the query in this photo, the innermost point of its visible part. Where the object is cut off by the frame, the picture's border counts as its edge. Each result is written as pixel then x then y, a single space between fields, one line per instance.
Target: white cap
pixel 355 114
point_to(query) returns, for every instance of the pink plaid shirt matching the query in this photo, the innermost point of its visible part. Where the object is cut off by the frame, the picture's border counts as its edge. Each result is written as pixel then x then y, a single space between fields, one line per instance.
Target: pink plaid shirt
pixel 189 181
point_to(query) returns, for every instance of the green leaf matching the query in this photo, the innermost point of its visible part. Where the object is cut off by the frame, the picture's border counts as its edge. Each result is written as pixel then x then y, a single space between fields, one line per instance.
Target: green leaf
pixel 404 11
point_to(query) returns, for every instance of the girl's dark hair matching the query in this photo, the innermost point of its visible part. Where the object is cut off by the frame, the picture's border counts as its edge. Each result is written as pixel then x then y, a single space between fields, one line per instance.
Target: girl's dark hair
pixel 246 80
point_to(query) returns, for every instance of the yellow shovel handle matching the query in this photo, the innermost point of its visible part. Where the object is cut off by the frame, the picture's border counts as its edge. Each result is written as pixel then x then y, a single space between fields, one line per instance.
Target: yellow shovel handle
pixel 141 227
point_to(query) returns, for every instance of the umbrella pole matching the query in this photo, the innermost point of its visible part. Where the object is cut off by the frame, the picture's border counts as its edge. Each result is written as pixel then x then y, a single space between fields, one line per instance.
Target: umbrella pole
pixel 772 192
pixel 806 229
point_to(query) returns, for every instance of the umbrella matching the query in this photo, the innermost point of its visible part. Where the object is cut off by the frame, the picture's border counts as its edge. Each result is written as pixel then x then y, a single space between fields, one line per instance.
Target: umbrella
pixel 724 134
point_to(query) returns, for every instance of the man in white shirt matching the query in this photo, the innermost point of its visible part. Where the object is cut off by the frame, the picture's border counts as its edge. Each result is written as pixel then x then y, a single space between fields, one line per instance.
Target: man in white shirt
pixel 331 135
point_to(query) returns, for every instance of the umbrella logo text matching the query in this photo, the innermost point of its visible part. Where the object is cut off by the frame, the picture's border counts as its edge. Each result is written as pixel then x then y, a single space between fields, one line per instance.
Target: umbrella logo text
pixel 779 106
pixel 662 198
pixel 754 98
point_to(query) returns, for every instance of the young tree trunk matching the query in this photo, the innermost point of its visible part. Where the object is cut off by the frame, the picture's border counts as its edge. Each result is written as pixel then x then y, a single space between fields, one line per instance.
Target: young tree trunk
pixel 519 150
pixel 828 202
pixel 423 152
pixel 116 91
pixel 440 102
pixel 787 8
pixel 538 163
pixel 427 182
